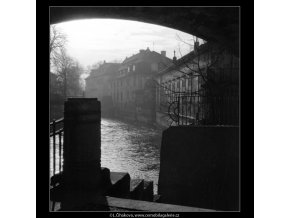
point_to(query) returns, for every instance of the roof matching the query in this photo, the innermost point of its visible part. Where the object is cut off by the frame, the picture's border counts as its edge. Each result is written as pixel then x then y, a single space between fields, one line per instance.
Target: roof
pixel 144 56
pixel 106 68
pixel 186 58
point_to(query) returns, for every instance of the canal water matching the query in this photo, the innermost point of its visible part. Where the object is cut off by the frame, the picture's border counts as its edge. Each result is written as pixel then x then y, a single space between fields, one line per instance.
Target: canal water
pixel 132 148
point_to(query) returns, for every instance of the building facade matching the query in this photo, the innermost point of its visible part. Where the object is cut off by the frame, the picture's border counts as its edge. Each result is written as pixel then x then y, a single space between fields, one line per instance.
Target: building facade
pixel 98 85
pixel 200 88
pixel 133 89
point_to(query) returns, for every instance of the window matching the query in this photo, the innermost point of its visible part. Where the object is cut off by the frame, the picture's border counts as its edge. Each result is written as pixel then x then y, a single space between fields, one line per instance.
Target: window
pixel 134 67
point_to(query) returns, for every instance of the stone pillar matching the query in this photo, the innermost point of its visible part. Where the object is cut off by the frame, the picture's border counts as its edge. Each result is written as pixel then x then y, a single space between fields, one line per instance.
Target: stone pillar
pixel 82 147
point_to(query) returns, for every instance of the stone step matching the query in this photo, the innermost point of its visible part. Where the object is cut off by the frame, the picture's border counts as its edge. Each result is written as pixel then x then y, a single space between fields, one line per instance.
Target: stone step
pixel 136 189
pixel 120 185
pixel 148 191
pixel 56 191
pixel 115 184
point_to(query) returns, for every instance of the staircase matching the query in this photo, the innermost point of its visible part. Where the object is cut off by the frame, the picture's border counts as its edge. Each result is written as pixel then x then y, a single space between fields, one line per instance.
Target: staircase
pixel 120 185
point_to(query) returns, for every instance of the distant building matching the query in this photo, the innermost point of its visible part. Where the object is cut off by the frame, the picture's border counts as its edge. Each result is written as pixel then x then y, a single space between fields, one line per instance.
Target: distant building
pixel 98 85
pixel 133 89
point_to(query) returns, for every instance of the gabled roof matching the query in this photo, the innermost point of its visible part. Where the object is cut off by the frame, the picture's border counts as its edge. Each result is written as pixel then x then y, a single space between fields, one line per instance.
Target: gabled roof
pixel 144 56
pixel 186 58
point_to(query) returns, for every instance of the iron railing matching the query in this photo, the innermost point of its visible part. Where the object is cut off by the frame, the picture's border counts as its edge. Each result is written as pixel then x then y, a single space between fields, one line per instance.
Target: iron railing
pixel 197 109
pixel 56 131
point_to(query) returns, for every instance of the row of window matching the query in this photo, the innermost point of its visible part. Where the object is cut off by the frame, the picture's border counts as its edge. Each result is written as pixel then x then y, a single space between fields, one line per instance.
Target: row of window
pixel 134 81
pixel 180 84
pixel 129 69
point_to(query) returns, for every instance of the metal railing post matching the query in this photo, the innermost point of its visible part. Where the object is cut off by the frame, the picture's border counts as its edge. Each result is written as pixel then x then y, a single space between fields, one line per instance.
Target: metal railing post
pixel 59 147
pixel 53 139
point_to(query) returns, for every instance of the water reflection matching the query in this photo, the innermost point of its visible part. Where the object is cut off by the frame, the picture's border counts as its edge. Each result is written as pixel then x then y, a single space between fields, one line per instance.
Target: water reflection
pixel 131 148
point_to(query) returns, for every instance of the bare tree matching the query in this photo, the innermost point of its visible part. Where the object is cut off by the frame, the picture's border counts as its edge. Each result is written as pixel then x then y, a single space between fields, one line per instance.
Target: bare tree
pixel 68 72
pixel 65 73
pixel 57 41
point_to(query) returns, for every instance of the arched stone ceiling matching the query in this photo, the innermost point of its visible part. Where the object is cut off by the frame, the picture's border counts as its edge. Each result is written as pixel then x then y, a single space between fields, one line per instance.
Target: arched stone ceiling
pixel 216 24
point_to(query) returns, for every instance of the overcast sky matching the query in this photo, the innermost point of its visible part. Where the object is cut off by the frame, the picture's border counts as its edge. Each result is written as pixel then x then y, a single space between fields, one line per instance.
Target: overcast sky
pixel 94 40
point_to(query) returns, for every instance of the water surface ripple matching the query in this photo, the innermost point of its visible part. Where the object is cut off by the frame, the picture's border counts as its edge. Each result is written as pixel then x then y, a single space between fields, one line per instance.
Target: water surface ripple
pixel 131 148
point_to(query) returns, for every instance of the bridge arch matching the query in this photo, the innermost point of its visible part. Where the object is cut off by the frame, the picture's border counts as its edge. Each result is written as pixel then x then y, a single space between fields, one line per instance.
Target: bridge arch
pixel 216 24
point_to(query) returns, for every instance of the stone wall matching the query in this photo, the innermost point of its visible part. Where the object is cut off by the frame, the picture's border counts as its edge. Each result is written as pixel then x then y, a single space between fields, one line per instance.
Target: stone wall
pixel 199 166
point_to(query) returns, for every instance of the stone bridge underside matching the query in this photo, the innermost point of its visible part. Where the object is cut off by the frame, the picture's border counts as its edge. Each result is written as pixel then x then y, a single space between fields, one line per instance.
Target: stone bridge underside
pixel 215 24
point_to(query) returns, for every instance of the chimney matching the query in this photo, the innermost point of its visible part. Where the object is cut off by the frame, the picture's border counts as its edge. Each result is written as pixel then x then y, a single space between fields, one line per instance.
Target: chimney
pixel 174 58
pixel 163 53
pixel 141 50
